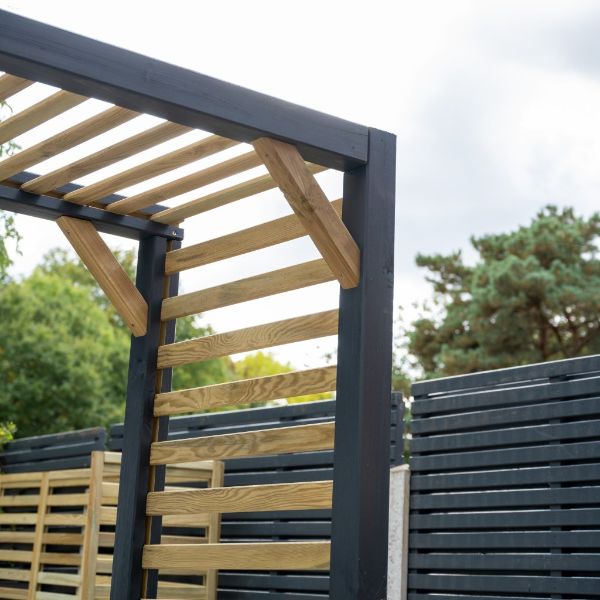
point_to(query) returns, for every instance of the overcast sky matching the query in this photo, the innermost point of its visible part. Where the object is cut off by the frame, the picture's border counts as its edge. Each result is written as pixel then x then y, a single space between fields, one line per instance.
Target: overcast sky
pixel 495 105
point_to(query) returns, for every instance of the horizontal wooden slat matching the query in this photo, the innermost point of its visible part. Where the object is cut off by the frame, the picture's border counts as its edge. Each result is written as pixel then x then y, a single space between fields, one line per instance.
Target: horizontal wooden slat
pixel 14 575
pixel 62 579
pixel 33 116
pixel 20 556
pixel 27 537
pixel 290 556
pixel 283 440
pixel 173 216
pixel 227 168
pixel 10 85
pixel 286 331
pixel 64 140
pixel 252 288
pixel 13 594
pixel 246 391
pixel 285 496
pixel 241 242
pixel 152 168
pixel 105 157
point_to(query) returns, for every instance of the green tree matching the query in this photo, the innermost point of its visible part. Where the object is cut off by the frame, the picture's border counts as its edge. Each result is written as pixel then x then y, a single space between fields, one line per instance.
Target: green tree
pixel 532 295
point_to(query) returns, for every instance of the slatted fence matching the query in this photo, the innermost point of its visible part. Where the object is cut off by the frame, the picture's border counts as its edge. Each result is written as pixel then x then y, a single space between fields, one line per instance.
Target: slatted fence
pixel 505 487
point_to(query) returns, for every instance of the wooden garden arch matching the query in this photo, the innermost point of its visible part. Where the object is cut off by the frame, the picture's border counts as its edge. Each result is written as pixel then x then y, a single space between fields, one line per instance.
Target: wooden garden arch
pixel 357 250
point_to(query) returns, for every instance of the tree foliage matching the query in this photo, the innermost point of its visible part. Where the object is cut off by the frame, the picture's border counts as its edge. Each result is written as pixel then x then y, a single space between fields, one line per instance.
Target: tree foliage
pixel 532 295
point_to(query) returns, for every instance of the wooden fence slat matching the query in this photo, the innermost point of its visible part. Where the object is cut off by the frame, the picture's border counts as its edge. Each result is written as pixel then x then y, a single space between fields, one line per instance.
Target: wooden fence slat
pixel 39 538
pixel 246 391
pixel 283 440
pixel 251 288
pixel 11 85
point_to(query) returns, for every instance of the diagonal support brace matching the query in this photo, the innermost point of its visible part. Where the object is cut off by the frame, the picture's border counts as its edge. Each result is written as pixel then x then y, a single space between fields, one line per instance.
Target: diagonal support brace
pixel 106 270
pixel 309 202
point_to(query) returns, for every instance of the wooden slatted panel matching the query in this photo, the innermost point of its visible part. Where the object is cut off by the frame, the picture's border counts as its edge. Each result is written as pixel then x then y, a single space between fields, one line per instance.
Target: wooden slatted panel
pixel 285 440
pixel 149 169
pixel 291 556
pixel 286 331
pixel 10 85
pixel 173 216
pixel 88 129
pixel 246 391
pixel 188 183
pixel 241 242
pixel 105 157
pixel 253 498
pixel 252 288
pixel 37 114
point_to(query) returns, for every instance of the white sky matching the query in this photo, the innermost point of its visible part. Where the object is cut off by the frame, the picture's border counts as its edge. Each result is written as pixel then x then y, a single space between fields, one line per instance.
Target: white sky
pixel 495 105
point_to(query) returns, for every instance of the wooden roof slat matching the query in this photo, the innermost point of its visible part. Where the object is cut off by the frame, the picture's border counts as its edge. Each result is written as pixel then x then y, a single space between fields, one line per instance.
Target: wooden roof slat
pixel 251 288
pixel 37 114
pixel 105 157
pixel 11 85
pixel 286 331
pixel 246 391
pixel 174 216
pixel 82 132
pixel 237 243
pixel 152 168
pixel 309 202
pixel 188 183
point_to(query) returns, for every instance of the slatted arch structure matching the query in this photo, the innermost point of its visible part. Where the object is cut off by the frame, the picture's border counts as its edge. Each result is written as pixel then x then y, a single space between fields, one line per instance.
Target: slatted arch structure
pixel 243 130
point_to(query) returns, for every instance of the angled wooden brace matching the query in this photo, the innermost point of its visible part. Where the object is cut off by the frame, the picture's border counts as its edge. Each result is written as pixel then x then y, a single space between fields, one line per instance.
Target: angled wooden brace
pixel 309 202
pixel 109 274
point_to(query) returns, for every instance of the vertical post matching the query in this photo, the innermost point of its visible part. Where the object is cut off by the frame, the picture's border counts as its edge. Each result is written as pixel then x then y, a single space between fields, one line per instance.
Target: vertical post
pixel 137 438
pixel 362 439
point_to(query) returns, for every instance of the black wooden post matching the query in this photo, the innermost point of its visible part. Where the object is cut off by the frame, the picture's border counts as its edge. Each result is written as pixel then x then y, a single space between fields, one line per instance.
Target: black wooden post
pixel 362 439
pixel 137 437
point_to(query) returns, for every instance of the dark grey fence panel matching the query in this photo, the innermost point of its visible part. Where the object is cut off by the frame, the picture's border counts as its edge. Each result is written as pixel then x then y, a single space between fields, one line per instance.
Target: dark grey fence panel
pixel 273 526
pixel 505 485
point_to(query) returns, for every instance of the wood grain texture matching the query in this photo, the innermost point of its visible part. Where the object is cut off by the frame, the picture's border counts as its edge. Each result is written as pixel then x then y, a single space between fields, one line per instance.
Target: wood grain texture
pixel 282 440
pixel 277 333
pixel 214 530
pixel 37 114
pixel 39 537
pixel 109 274
pixel 309 202
pixel 10 85
pixel 151 168
pixel 287 556
pixel 173 216
pixel 252 288
pixel 86 130
pixel 247 240
pixel 105 157
pixel 246 391
pixel 251 498
pixel 227 168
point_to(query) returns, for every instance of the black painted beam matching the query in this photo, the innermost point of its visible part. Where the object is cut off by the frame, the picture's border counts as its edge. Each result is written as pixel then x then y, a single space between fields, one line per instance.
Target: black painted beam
pixel 46 207
pixel 78 64
pixel 364 398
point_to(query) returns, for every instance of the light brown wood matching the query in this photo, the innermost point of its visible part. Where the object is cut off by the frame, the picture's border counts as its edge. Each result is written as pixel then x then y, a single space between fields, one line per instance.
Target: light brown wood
pixel 39 537
pixel 152 168
pixel 92 526
pixel 39 113
pixel 105 157
pixel 11 85
pixel 284 556
pixel 230 167
pixel 252 288
pixel 109 274
pixel 283 440
pixel 214 529
pixel 309 202
pixel 64 140
pixel 252 498
pixel 241 242
pixel 173 216
pixel 286 331
pixel 246 391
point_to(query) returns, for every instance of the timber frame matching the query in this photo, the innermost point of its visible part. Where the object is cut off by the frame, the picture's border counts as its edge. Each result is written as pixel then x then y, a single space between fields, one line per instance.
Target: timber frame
pixel 357 250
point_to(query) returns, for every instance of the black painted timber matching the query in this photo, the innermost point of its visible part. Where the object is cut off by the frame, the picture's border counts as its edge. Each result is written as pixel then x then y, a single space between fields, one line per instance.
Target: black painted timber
pixel 505 485
pixel 85 66
pixel 361 468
